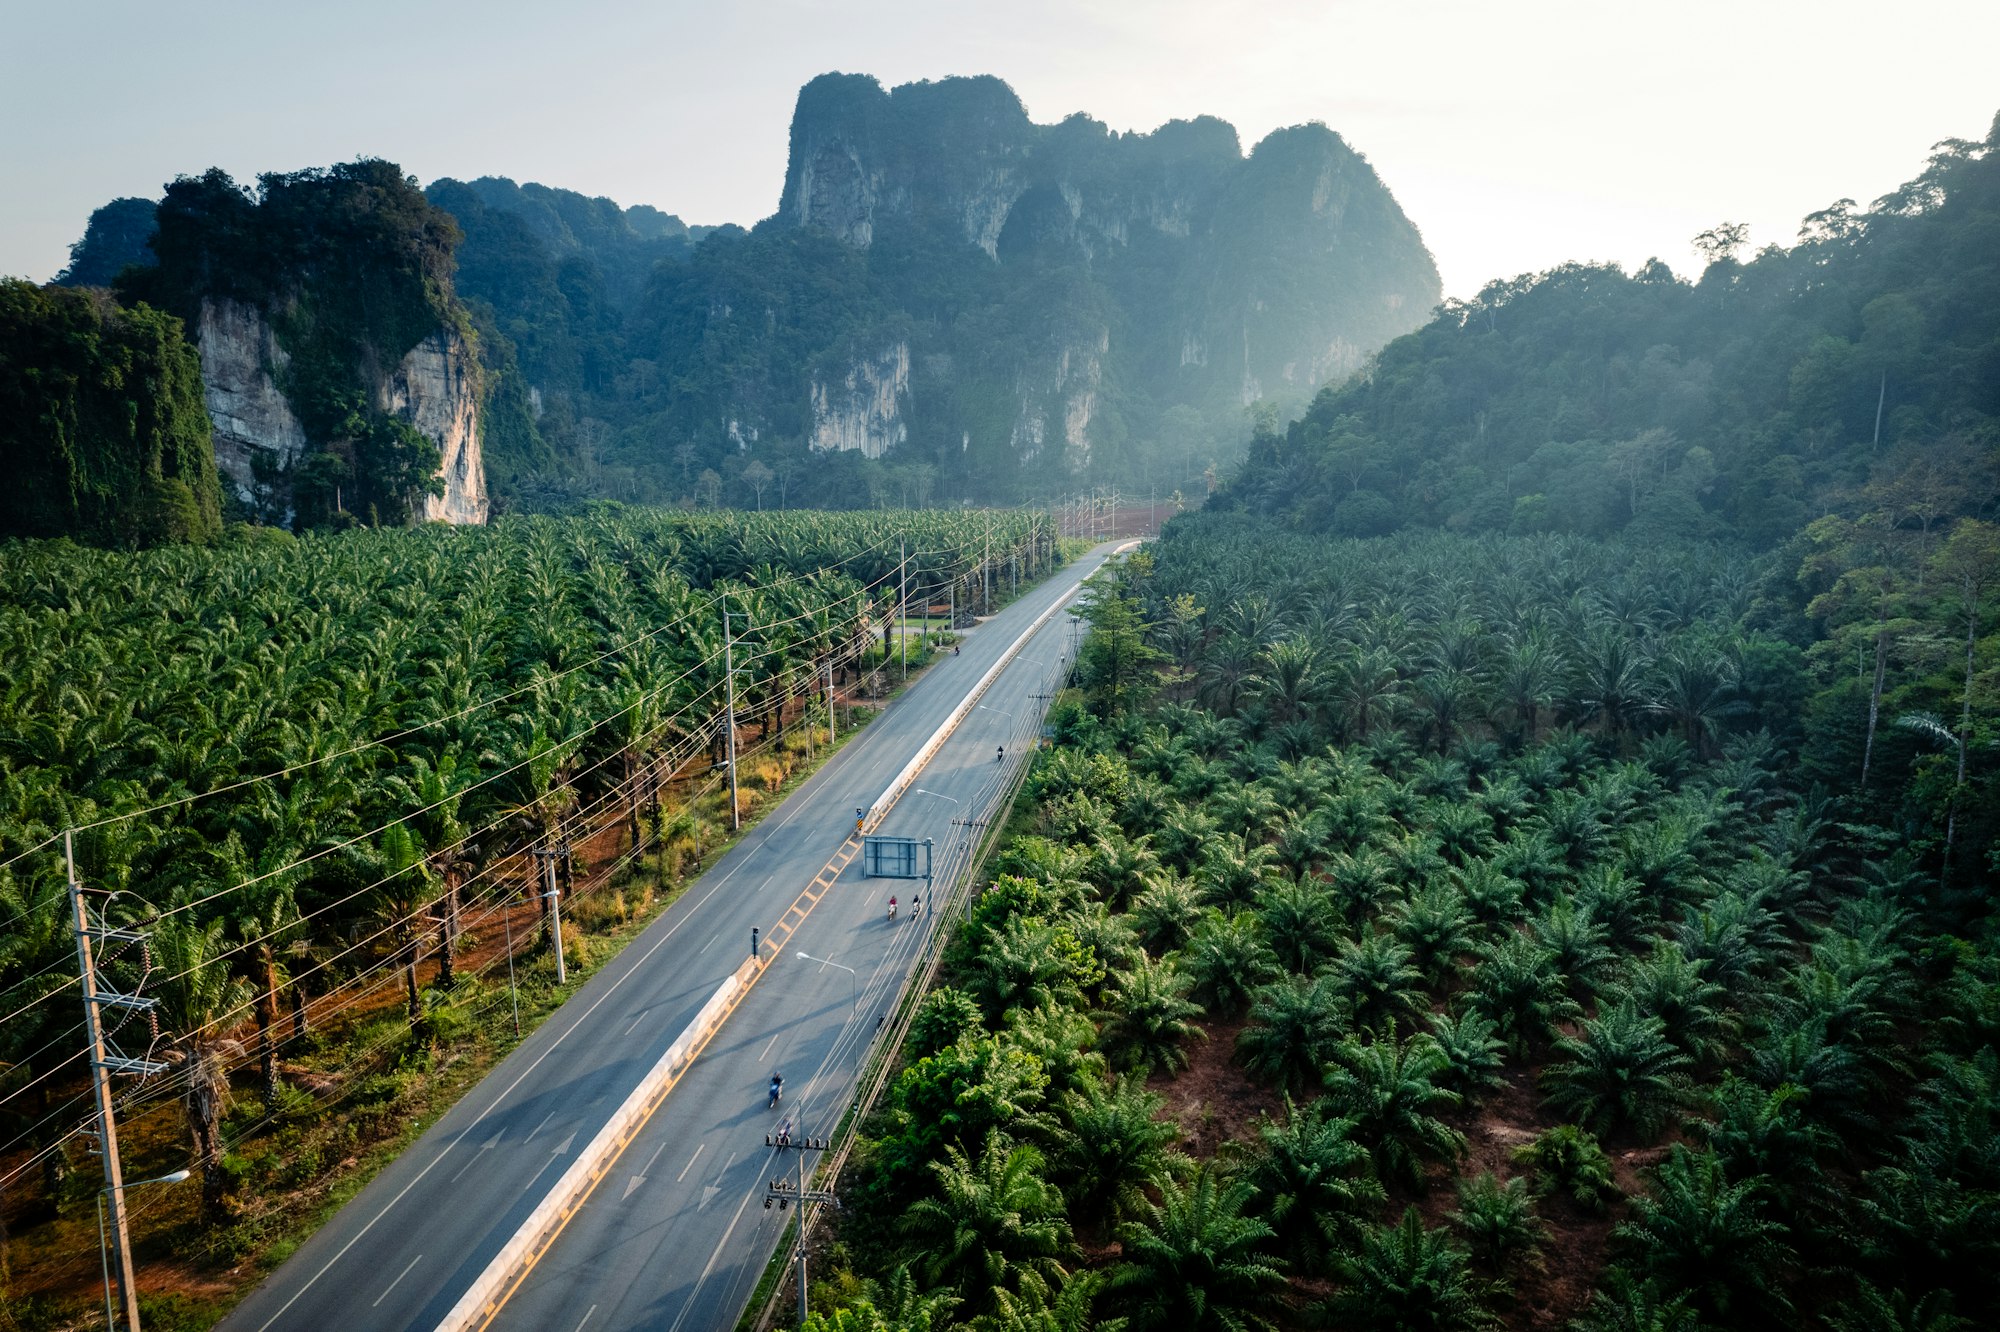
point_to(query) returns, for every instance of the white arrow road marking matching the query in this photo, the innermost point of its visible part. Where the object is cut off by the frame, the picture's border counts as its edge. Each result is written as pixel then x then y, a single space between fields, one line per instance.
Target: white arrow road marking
pixel 561 1147
pixel 644 1170
pixel 708 1191
pixel 473 1160
pixel 393 1284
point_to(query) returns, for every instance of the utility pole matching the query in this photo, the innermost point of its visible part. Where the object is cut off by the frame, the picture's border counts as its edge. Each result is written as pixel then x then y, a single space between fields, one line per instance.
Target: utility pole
pixel 903 604
pixel 830 722
pixel 729 689
pixel 986 568
pixel 547 857
pixel 785 1192
pixel 104 1063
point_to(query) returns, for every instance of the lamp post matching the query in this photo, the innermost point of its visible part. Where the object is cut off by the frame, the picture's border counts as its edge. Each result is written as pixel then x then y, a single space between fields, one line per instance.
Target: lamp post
pixel 104 1261
pixel 853 976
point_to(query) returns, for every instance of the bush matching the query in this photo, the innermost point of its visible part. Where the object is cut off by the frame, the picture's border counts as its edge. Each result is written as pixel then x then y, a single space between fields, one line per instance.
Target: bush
pixel 1567 1159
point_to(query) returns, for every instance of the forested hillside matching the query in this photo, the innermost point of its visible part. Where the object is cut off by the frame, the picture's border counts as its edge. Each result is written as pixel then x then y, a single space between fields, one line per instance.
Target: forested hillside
pixel 1743 404
pixel 103 435
pixel 1438 932
pixel 951 301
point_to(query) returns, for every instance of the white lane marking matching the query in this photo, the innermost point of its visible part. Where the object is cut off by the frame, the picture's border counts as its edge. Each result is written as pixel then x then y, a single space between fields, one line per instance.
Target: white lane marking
pixel 690 1165
pixel 586 1317
pixel 635 1024
pixel 711 943
pixel 539 1127
pixel 473 1159
pixel 702 1280
pixel 767 1049
pixel 584 1015
pixel 393 1284
pixel 648 1167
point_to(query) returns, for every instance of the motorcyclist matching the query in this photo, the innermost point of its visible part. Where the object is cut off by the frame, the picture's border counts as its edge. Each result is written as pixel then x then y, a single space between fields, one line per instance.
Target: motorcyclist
pixel 1001 755
pixel 892 906
pixel 777 1089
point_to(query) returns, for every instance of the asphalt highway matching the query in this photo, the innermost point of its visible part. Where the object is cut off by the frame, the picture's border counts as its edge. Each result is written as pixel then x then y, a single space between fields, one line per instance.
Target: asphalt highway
pixel 677 1235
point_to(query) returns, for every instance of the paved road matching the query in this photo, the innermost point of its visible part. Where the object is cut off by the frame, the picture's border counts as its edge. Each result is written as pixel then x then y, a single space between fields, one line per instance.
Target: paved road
pixel 677 1235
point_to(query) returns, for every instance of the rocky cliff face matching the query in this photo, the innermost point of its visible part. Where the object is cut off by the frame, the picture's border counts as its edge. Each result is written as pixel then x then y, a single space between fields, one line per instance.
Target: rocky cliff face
pixel 1170 267
pixel 436 389
pixel 863 410
pixel 258 439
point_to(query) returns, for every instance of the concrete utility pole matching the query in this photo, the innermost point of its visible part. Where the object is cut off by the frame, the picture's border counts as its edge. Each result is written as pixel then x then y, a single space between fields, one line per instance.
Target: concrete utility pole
pixel 986 569
pixel 547 856
pixel 830 720
pixel 903 603
pixel 729 689
pixel 785 1192
pixel 103 1065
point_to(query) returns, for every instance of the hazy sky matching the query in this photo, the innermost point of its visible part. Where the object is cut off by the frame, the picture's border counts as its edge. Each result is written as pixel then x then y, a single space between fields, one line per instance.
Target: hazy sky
pixel 1516 135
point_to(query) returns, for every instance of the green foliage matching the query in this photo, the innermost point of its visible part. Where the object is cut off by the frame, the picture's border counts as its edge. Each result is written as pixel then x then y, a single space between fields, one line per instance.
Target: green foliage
pixel 1619 1072
pixel 993 1219
pixel 1389 1089
pixel 1499 1223
pixel 1197 1262
pixel 103 432
pixel 1316 1185
pixel 1410 1278
pixel 1566 1159
pixel 1697 1233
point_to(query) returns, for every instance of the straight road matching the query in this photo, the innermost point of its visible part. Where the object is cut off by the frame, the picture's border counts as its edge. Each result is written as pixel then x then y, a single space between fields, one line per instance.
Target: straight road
pixel 677 1234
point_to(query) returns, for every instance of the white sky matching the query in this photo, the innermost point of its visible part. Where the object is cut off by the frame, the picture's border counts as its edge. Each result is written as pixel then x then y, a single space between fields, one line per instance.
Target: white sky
pixel 1515 135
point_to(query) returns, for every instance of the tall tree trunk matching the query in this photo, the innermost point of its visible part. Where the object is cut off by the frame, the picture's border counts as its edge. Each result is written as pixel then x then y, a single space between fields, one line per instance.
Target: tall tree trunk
pixel 415 996
pixel 1964 732
pixel 298 1012
pixel 267 1021
pixel 1881 396
pixel 1875 701
pixel 447 973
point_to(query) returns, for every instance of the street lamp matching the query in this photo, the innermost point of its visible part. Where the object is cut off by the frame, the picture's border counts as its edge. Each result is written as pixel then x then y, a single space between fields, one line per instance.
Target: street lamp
pixel 918 790
pixel 853 976
pixel 103 1258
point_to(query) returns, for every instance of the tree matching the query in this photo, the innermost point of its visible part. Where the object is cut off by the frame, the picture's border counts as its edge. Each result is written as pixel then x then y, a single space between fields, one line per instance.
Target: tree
pixel 1719 244
pixel 200 1003
pixel 1618 1072
pixel 1147 1021
pixel 1409 1278
pixel 757 476
pixel 1499 1223
pixel 1701 1235
pixel 1111 1148
pixel 1115 664
pixel 1316 1185
pixel 991 1219
pixel 1227 959
pixel 1196 1262
pixel 1389 1088
pixel 1294 1024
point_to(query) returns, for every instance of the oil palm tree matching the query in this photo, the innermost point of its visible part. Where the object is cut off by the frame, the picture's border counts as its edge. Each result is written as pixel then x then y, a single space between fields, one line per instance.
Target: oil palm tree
pixel 1196 1262
pixel 1712 1240
pixel 1316 1185
pixel 1376 976
pixel 1227 960
pixel 1294 1025
pixel 991 1218
pixel 1108 1146
pixel 1618 1072
pixel 201 1003
pixel 1410 1278
pixel 1300 924
pixel 1393 1092
pixel 1148 1019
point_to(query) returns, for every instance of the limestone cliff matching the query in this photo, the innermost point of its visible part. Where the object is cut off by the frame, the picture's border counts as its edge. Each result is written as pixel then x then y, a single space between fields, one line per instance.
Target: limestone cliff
pixel 863 411
pixel 436 389
pixel 1148 269
pixel 257 438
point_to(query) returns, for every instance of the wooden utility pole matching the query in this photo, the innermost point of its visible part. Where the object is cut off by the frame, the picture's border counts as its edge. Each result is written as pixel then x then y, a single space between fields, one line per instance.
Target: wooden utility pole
pixel 103 1064
pixel 729 691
